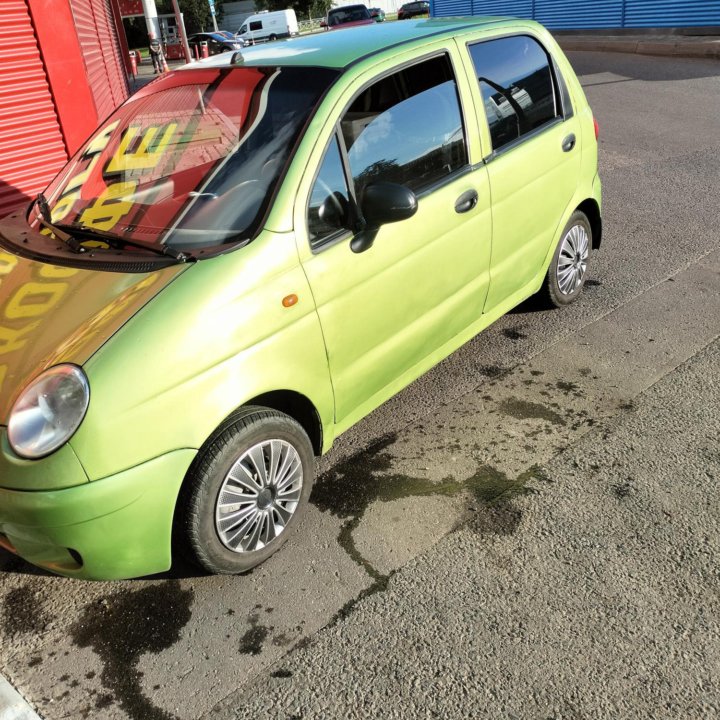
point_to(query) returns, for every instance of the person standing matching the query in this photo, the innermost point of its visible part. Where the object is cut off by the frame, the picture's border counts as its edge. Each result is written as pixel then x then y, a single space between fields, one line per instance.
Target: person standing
pixel 156 55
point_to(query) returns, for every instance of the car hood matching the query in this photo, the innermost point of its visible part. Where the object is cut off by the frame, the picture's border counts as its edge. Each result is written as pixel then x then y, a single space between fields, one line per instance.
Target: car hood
pixel 51 314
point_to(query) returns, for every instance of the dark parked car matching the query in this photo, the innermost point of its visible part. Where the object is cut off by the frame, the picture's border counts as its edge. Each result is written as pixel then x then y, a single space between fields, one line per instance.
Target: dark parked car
pixel 218 42
pixel 377 14
pixel 348 16
pixel 413 9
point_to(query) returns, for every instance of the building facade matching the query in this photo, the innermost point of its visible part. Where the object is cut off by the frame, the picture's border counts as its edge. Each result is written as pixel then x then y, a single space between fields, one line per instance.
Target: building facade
pixel 591 14
pixel 63 69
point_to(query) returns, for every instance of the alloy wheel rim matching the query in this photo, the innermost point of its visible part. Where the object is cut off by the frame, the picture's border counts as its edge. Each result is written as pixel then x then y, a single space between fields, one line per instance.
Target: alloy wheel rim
pixel 572 260
pixel 259 496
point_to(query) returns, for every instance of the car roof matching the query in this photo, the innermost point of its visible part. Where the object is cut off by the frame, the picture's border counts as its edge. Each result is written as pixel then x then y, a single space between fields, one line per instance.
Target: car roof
pixel 348 7
pixel 343 48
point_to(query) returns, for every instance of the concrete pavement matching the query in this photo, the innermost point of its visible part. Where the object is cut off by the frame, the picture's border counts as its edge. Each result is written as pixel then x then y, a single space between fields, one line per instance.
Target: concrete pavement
pixel 591 594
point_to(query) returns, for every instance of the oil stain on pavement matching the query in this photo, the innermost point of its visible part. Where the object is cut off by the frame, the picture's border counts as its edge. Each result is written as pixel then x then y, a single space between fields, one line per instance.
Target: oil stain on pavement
pixel 23 612
pixel 124 627
pixel 351 486
pixel 251 643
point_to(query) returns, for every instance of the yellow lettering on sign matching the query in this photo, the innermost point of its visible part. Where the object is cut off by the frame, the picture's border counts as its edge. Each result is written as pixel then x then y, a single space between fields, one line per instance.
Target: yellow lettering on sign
pixel 62 209
pixel 3 373
pixel 71 191
pixel 64 205
pixel 100 141
pixel 7 263
pixel 110 207
pixel 54 271
pixel 33 299
pixel 11 340
pixel 77 180
pixel 144 156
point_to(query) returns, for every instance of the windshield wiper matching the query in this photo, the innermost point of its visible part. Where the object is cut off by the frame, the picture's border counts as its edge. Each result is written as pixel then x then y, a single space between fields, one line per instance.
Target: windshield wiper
pixel 117 242
pixel 67 234
pixel 45 219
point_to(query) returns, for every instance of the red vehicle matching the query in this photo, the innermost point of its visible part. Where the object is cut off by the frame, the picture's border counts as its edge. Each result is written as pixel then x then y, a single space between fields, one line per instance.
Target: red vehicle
pixel 414 9
pixel 348 16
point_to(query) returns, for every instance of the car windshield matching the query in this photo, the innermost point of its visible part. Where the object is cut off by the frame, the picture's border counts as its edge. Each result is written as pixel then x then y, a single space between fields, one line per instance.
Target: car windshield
pixel 192 160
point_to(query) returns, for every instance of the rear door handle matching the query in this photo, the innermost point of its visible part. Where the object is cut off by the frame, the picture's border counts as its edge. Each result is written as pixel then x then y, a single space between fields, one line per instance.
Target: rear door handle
pixel 467 201
pixel 568 143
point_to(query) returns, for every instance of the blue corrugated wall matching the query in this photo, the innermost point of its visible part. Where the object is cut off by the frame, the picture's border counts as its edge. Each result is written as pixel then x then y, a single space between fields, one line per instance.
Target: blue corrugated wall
pixel 571 14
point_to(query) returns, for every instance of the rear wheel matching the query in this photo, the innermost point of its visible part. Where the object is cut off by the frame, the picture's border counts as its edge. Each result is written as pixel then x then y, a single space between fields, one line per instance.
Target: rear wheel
pixel 272 38
pixel 245 492
pixel 568 269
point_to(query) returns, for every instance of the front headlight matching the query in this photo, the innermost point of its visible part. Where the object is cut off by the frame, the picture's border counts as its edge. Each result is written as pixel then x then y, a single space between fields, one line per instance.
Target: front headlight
pixel 48 411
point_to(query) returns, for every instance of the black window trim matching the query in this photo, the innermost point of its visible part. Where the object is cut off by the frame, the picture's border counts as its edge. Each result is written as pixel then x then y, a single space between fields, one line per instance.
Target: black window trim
pixel 560 94
pixel 468 167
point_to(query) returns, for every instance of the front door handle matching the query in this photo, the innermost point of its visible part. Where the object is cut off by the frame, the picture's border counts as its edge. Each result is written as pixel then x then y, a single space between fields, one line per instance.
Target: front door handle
pixel 467 201
pixel 568 143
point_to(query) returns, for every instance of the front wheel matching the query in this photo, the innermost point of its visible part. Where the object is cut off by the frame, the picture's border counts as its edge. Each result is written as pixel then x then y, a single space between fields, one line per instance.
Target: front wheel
pixel 245 492
pixel 568 268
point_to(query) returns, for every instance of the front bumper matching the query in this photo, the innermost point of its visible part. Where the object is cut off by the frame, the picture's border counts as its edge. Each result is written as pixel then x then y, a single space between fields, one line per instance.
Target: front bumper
pixel 118 527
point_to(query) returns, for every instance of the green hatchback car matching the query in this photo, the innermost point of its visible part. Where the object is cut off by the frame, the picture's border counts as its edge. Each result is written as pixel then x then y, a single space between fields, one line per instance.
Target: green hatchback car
pixel 253 253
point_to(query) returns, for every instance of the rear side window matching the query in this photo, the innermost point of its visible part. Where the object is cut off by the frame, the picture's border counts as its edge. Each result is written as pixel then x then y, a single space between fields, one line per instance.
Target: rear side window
pixel 517 86
pixel 256 25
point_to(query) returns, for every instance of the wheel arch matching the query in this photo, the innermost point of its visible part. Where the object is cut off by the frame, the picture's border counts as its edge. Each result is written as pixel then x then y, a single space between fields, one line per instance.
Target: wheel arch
pixel 592 212
pixel 298 407
pixel 290 402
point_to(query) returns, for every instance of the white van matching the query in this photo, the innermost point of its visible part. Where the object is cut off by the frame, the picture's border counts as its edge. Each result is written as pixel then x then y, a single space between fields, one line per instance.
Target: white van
pixel 268 26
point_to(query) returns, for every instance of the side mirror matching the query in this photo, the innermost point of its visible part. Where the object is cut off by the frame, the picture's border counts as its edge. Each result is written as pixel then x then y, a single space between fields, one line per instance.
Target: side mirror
pixel 333 211
pixel 383 203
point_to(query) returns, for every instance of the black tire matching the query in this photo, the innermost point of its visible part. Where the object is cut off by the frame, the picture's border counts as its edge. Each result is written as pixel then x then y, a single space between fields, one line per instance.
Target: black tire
pixel 195 533
pixel 551 294
pixel 272 38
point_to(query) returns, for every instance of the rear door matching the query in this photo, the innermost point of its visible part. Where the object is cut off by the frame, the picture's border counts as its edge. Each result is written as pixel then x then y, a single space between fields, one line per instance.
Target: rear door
pixel 392 310
pixel 533 160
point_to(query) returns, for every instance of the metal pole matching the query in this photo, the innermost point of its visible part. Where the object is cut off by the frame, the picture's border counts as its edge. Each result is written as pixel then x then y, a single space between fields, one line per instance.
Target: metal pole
pixel 181 28
pixel 212 12
pixel 151 19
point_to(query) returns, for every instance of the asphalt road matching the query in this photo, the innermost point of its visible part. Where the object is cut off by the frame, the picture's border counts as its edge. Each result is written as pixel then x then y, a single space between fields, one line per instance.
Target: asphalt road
pixel 530 530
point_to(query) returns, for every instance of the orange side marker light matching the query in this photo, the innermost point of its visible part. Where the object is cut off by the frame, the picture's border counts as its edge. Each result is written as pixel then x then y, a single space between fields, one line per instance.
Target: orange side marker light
pixel 289 300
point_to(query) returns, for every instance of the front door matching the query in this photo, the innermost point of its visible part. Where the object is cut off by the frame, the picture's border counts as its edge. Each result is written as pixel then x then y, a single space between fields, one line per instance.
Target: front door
pixel 387 312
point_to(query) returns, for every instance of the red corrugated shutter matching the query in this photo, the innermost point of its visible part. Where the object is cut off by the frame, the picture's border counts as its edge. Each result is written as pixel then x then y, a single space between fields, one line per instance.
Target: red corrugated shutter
pixel 101 51
pixel 32 149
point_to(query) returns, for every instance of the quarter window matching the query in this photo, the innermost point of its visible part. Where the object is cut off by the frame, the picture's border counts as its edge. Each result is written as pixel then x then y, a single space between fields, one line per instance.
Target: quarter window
pixel 406 128
pixel 329 199
pixel 517 86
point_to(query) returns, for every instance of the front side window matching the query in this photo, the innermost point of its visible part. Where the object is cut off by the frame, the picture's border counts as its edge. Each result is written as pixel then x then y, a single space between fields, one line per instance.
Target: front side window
pixel 517 86
pixel 406 128
pixel 194 159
